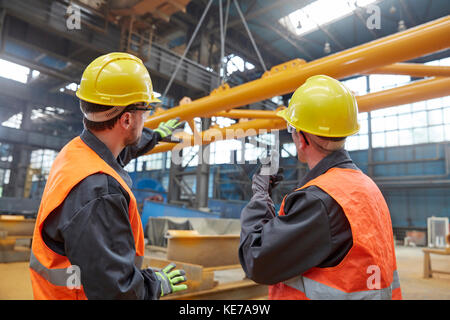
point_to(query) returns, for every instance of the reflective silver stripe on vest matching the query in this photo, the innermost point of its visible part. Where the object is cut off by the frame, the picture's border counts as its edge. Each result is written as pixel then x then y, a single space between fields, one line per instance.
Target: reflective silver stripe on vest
pixel 318 291
pixel 59 277
pixel 396 281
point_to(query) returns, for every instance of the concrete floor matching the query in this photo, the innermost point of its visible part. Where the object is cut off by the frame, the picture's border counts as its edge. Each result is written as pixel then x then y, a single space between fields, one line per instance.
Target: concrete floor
pixel 15 280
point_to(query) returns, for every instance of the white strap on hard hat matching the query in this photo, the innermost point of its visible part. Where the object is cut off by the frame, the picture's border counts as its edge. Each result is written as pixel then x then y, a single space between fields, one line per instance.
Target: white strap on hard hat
pixel 104 115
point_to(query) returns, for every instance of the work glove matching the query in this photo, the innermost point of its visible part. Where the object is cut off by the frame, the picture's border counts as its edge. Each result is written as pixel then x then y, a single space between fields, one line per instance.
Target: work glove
pixel 165 129
pixel 170 279
pixel 266 183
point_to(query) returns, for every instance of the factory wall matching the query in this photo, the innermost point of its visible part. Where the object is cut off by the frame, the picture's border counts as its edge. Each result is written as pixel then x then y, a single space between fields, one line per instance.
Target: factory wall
pixel 415 181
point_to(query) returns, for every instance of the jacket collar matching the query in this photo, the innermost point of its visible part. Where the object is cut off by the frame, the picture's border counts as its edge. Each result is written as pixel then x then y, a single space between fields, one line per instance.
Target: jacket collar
pixel 102 150
pixel 338 159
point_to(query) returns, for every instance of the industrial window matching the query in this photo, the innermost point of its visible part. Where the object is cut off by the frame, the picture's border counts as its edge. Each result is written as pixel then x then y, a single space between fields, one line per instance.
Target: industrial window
pixel 419 122
pixel 360 140
pixel 235 63
pixel 148 162
pixel 319 13
pixel 223 151
pixel 130 166
pixel 230 151
pixel 288 150
pixel 4 179
pixel 70 87
pixel 190 154
pixel 41 162
pixel 14 121
pixel 14 71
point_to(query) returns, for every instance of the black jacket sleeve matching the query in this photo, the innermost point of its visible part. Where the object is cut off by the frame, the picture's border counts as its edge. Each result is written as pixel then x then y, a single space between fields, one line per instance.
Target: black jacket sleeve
pixel 148 141
pixel 313 233
pixel 93 230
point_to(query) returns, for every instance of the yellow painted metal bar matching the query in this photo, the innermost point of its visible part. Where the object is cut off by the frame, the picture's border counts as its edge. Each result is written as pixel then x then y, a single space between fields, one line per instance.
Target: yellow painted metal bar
pixel 413 69
pixel 410 93
pixel 235 131
pixel 285 78
pixel 247 113
pixel 416 91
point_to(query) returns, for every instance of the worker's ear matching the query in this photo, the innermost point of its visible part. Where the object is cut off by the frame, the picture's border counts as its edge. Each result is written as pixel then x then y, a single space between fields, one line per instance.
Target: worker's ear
pixel 125 121
pixel 299 140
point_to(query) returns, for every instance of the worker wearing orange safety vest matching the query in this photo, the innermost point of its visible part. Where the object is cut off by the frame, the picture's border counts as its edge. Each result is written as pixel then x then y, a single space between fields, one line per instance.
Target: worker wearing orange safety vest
pixel 88 241
pixel 332 237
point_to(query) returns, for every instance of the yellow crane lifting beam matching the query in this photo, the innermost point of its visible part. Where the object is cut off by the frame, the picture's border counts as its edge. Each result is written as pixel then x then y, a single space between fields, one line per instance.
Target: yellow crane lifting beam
pixel 262 119
pixel 285 78
pixel 416 91
pixel 413 69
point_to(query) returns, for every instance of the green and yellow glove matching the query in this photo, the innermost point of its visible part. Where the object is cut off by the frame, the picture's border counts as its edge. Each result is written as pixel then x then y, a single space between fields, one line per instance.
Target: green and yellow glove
pixel 170 279
pixel 165 129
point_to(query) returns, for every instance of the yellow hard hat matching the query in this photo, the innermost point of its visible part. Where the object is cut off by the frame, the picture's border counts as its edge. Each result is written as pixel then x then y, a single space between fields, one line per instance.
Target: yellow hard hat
pixel 323 106
pixel 116 79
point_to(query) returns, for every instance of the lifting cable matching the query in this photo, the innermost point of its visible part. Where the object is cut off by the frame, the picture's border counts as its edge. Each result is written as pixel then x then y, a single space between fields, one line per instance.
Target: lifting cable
pixel 187 49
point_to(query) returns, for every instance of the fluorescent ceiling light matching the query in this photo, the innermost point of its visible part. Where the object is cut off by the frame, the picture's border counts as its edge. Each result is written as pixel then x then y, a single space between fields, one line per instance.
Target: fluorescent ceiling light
pixel 319 13
pixel 14 71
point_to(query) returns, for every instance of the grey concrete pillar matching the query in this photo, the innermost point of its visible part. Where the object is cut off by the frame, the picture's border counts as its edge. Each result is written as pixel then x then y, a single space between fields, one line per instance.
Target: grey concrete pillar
pixel 174 192
pixel 21 160
pixel 202 178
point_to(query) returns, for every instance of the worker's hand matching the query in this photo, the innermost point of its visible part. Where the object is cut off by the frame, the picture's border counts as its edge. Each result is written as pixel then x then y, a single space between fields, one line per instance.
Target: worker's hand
pixel 170 279
pixel 165 129
pixel 266 183
pixel 276 179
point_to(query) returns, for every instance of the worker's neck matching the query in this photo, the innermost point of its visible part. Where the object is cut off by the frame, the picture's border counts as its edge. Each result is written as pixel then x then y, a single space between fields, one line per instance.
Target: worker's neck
pixel 314 158
pixel 112 140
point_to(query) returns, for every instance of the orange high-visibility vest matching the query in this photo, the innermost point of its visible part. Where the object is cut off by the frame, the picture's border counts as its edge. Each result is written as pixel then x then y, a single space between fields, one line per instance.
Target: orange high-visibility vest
pixel 369 270
pixel 51 273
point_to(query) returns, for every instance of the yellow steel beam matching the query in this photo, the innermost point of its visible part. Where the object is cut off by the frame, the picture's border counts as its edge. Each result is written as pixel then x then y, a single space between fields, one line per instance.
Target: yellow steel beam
pixel 410 93
pixel 285 78
pixel 235 131
pixel 247 113
pixel 413 69
pixel 413 92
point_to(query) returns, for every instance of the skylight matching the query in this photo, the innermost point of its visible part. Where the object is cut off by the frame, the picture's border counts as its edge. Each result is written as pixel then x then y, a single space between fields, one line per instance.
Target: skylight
pixel 319 13
pixel 236 63
pixel 42 112
pixel 14 71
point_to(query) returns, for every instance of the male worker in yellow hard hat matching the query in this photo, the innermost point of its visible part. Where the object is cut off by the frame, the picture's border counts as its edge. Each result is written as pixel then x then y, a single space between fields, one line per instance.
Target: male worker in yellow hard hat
pixel 332 237
pixel 88 240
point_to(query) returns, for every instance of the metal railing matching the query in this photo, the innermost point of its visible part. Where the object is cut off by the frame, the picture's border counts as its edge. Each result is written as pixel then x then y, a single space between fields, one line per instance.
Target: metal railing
pixel 51 15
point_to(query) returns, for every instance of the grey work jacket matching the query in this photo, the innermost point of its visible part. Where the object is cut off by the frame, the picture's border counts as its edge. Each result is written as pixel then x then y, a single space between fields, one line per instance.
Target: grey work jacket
pixel 92 228
pixel 314 232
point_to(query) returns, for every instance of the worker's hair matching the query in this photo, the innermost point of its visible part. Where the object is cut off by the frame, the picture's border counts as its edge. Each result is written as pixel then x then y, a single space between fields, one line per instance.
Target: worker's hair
pixel 88 107
pixel 327 145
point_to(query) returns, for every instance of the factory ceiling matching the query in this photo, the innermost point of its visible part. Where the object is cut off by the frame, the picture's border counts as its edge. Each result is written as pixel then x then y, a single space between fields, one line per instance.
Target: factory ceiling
pixel 34 34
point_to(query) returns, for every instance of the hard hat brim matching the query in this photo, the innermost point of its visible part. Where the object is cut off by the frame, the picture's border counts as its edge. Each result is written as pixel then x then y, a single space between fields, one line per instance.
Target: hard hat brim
pixel 283 114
